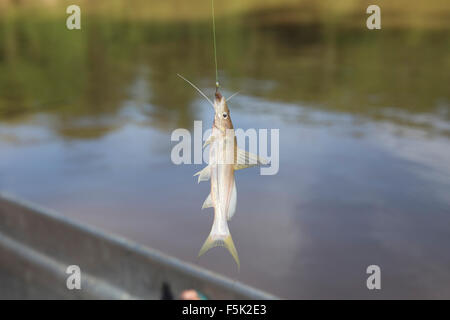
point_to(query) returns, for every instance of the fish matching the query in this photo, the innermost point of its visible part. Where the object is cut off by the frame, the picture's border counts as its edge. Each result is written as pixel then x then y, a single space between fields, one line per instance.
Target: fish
pixel 224 159
pixel 223 194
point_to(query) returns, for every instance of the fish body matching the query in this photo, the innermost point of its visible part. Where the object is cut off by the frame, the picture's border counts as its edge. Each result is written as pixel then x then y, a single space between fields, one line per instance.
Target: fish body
pixel 224 159
pixel 223 196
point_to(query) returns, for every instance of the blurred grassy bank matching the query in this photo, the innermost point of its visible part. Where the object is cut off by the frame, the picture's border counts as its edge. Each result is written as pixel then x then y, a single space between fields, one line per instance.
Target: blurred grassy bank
pixel 399 13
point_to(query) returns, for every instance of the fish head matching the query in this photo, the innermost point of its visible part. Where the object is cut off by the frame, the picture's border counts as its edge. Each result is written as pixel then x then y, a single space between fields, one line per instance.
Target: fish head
pixel 222 114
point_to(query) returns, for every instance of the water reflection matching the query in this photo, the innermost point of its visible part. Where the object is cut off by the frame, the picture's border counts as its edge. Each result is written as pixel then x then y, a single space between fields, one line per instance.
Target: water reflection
pixel 74 76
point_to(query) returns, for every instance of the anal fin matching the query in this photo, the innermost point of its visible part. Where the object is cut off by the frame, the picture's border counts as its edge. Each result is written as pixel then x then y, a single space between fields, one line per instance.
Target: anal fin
pixel 208 202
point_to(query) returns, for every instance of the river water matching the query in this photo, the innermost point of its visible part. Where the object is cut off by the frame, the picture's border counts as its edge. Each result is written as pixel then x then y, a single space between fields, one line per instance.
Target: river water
pixel 364 120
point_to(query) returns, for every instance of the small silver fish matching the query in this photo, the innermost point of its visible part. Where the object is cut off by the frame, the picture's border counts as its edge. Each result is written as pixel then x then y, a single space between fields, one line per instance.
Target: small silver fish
pixel 224 159
pixel 223 186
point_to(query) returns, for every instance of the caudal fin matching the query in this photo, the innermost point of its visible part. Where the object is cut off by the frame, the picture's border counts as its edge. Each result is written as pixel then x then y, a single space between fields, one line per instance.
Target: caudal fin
pixel 228 243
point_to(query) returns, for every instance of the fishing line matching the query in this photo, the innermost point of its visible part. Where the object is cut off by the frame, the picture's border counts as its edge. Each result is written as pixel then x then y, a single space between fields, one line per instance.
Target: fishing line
pixel 215 46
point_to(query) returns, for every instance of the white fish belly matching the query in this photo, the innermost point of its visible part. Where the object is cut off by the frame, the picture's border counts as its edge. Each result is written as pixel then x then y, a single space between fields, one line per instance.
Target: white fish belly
pixel 222 184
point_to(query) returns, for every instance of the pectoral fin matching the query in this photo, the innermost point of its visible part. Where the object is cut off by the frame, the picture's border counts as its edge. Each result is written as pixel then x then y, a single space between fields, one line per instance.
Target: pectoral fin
pixel 246 160
pixel 208 202
pixel 204 175
pixel 208 141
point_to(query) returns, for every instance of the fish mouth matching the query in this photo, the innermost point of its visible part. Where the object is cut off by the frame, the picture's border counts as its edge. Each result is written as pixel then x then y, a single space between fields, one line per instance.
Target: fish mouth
pixel 218 96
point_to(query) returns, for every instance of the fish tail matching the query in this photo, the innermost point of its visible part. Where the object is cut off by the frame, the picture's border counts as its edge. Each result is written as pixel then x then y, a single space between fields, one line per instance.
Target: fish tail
pixel 218 241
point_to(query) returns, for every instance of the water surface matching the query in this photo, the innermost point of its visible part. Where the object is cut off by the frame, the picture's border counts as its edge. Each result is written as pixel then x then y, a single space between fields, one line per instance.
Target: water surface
pixel 364 119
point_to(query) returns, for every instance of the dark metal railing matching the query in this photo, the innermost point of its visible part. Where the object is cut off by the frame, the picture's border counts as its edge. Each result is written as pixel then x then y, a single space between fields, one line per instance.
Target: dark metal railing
pixel 37 246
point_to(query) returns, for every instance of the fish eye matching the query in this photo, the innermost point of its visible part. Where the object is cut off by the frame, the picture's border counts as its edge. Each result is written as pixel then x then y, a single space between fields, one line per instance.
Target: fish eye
pixel 224 115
